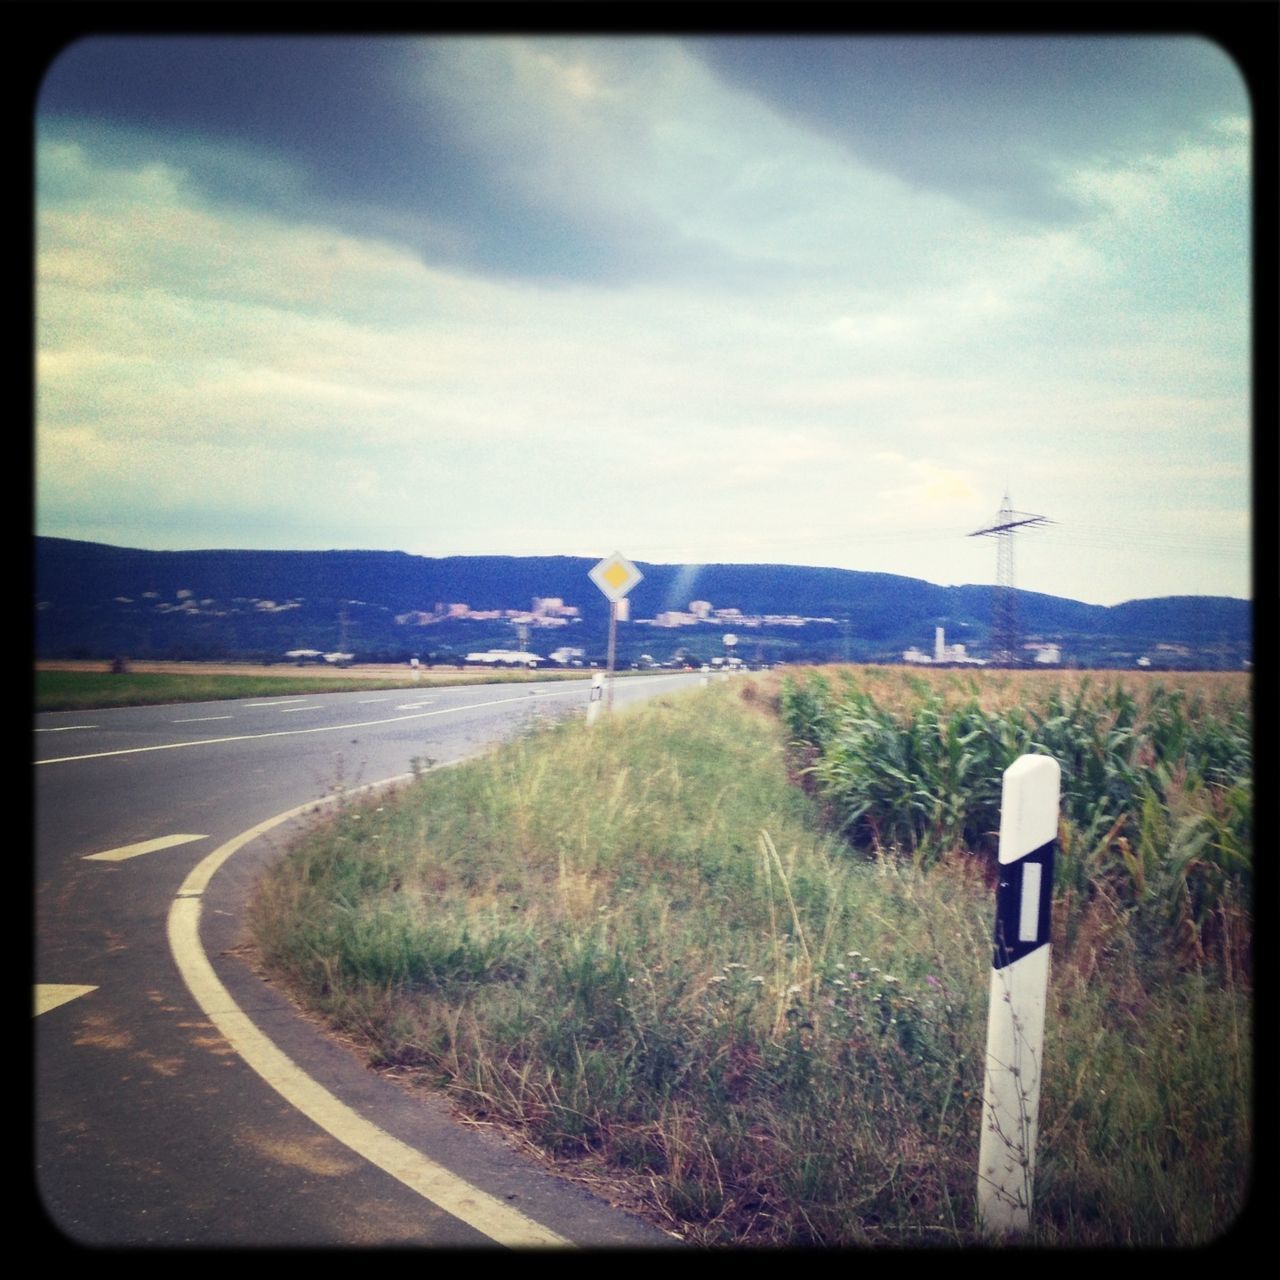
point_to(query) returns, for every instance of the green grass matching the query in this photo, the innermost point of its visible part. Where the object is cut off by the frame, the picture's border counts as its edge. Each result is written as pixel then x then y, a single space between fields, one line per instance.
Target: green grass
pixel 642 946
pixel 86 690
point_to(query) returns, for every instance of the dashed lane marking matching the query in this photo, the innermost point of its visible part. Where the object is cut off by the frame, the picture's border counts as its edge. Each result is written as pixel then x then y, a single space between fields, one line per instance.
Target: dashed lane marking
pixel 49 995
pixel 143 846
pixel 284 733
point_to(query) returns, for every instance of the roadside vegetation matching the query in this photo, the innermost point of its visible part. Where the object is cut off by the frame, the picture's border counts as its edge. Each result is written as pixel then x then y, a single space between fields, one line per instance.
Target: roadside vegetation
pixel 727 956
pixel 86 690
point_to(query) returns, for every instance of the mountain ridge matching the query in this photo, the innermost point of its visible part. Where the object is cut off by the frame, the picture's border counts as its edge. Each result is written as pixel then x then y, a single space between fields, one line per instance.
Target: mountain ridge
pixel 99 600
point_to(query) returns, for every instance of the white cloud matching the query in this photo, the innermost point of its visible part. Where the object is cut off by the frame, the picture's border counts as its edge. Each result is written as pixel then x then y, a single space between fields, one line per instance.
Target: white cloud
pixel 860 395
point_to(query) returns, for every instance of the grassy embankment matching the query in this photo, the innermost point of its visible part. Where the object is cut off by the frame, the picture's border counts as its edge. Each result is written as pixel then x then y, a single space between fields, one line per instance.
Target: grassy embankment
pixel 644 947
pixel 58 690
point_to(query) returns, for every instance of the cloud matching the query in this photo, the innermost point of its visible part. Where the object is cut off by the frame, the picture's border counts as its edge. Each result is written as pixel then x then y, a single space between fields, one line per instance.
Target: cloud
pixel 985 119
pixel 598 293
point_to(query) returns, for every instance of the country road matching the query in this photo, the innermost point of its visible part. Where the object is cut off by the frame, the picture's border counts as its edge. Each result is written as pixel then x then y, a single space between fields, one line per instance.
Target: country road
pixel 178 1098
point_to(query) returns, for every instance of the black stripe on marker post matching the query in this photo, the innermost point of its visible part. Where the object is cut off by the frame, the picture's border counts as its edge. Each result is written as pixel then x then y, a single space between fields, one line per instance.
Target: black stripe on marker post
pixel 1022 907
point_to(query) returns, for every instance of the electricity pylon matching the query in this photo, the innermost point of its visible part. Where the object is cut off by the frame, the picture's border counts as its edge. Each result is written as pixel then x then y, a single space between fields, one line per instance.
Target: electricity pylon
pixel 1005 640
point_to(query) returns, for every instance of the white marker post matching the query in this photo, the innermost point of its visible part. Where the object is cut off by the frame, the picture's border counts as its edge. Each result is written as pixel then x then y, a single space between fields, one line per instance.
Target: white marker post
pixel 597 692
pixel 1019 983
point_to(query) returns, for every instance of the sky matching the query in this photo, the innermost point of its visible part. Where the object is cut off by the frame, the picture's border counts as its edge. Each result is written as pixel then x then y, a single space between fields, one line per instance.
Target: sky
pixel 779 299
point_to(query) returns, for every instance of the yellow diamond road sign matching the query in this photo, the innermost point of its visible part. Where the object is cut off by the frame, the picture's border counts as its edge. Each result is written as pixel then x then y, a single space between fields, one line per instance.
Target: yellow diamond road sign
pixel 615 575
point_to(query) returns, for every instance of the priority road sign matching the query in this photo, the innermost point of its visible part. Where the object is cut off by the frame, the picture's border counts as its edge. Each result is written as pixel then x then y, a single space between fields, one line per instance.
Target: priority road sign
pixel 615 575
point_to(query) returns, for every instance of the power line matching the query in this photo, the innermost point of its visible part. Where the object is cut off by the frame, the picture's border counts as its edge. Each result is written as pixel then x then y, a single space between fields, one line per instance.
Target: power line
pixel 1005 641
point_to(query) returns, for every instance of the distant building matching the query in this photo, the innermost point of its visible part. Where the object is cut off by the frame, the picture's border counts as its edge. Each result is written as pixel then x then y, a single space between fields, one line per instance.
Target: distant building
pixel 943 653
pixel 504 658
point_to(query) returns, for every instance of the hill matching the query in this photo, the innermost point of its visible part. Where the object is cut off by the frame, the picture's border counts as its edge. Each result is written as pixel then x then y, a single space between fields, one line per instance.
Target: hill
pixel 98 601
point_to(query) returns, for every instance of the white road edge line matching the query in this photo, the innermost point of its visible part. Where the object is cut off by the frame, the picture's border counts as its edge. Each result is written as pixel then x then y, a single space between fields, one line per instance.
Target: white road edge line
pixel 285 733
pixel 485 1213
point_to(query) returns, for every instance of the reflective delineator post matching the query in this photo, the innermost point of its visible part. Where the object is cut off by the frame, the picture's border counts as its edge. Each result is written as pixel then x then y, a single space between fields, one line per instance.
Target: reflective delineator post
pixel 1019 984
pixel 597 693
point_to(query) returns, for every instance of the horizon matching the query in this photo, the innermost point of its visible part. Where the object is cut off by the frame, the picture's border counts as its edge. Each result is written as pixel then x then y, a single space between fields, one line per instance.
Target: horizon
pixel 657 564
pixel 804 301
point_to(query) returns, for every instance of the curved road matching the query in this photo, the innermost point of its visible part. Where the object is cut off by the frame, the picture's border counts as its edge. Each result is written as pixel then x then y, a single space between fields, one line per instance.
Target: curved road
pixel 179 1099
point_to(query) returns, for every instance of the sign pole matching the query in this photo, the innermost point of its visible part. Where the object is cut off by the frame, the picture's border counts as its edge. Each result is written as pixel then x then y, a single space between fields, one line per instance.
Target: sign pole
pixel 1019 984
pixel 613 644
pixel 615 575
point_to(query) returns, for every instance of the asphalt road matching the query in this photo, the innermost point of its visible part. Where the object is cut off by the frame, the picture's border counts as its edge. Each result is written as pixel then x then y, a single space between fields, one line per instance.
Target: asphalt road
pixel 178 1098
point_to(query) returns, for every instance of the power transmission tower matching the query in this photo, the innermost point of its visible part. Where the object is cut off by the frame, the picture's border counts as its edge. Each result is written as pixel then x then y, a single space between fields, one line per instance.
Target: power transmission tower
pixel 1005 640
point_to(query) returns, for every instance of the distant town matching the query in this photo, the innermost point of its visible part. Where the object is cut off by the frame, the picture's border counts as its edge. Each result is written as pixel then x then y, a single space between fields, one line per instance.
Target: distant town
pixel 96 601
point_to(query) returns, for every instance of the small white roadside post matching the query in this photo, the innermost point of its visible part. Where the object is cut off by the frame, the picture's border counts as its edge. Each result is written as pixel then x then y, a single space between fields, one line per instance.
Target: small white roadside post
pixel 597 694
pixel 1019 983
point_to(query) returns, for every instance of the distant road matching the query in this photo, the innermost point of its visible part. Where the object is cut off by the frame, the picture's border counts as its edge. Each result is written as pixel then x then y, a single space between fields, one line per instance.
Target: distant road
pixel 151 1126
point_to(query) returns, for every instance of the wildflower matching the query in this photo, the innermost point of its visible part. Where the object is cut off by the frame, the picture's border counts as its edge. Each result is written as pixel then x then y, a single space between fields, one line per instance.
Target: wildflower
pixel 931 980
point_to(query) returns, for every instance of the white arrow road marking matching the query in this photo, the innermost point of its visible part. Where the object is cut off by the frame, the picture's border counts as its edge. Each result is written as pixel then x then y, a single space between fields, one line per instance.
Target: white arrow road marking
pixel 144 846
pixel 49 995
pixel 487 1214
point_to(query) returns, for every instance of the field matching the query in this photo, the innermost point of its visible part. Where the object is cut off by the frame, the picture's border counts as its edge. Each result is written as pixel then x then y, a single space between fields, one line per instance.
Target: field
pixel 79 686
pixel 725 958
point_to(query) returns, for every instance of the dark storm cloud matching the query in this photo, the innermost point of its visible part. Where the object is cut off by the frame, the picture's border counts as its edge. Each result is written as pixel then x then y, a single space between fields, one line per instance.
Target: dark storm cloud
pixel 348 132
pixel 988 119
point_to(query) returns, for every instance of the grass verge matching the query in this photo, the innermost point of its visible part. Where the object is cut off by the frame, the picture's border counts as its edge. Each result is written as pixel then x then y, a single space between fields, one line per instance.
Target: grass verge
pixel 88 690
pixel 638 945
